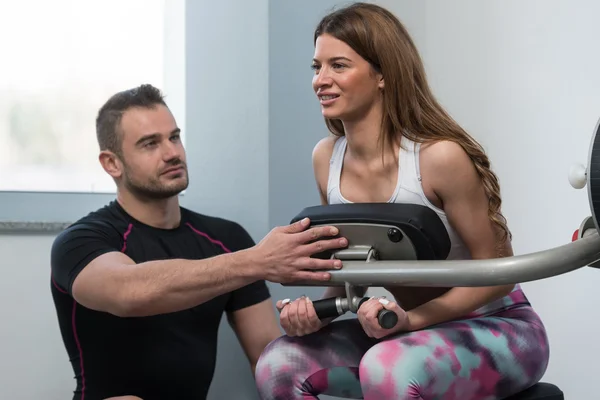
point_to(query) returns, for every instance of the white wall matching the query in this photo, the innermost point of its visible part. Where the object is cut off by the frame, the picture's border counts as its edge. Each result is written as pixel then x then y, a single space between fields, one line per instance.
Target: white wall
pixel 524 77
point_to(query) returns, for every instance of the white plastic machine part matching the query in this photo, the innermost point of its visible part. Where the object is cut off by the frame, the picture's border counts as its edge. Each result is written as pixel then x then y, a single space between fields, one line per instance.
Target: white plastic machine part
pixel 577 176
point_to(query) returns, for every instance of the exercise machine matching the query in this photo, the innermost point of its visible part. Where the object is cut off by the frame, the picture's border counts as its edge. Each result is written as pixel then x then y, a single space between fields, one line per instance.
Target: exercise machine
pixel 407 245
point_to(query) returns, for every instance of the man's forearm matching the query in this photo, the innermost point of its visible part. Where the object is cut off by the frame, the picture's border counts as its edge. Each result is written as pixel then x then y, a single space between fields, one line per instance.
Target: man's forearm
pixel 158 287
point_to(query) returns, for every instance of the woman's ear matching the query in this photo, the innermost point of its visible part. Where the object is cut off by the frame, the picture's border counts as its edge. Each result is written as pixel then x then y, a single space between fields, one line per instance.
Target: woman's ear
pixel 381 82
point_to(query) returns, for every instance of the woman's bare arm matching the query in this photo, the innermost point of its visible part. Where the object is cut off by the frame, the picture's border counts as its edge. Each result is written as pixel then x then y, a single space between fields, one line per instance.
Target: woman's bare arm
pixel 451 180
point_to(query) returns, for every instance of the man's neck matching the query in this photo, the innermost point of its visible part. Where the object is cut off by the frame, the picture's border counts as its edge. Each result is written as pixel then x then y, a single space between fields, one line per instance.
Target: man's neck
pixel 163 213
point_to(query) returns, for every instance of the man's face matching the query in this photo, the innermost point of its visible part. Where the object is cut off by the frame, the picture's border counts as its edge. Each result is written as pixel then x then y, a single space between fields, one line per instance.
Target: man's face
pixel 153 157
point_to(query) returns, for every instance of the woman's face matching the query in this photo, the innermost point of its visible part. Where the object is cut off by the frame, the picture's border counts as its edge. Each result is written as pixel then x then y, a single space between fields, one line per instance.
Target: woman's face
pixel 345 83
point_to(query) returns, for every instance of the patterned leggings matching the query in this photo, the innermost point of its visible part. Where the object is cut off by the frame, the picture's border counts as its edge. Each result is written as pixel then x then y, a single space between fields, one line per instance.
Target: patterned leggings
pixel 488 357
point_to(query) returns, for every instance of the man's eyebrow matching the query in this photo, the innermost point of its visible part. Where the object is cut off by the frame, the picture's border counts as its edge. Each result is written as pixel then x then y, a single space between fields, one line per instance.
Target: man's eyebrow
pixel 155 136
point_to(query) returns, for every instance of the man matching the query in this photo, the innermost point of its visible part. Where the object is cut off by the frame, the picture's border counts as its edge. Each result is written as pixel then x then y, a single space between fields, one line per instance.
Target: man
pixel 141 284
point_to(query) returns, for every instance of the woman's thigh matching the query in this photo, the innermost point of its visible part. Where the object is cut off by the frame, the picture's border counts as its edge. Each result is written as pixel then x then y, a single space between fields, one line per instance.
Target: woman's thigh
pixel 481 358
pixel 325 362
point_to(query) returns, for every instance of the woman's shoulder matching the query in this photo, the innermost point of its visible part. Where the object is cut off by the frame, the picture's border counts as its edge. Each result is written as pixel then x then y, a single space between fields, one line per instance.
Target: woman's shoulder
pixel 443 152
pixel 323 150
pixel 448 168
pixel 321 156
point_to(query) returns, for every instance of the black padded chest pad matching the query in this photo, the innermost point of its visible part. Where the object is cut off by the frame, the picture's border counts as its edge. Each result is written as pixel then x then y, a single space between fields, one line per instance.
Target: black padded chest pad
pixel 420 223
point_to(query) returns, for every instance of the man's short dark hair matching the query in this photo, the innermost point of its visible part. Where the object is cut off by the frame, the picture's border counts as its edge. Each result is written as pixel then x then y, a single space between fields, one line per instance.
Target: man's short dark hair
pixel 109 117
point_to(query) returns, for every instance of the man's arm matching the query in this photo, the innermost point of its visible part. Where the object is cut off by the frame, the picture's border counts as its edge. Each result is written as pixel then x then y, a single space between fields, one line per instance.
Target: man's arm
pixel 450 173
pixel 250 309
pixel 255 327
pixel 86 264
pixel 114 283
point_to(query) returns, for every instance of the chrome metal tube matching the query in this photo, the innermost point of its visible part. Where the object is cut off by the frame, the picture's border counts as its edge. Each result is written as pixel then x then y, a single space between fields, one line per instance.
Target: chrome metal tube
pixel 451 273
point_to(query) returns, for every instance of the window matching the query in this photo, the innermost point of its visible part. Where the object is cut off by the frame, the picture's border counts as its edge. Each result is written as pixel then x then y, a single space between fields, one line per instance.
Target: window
pixel 61 60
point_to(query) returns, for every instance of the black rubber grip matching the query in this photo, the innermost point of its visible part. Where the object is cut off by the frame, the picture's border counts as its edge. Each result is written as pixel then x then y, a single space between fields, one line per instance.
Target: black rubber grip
pixel 387 319
pixel 326 308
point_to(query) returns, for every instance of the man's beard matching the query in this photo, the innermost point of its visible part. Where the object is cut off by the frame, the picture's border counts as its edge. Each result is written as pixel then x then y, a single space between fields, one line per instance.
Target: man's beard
pixel 154 189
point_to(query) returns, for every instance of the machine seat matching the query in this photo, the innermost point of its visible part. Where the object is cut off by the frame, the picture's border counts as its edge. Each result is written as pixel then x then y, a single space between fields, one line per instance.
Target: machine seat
pixel 539 391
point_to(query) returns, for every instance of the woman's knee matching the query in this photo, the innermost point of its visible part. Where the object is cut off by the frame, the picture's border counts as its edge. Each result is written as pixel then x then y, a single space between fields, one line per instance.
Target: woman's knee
pixel 274 354
pixel 321 363
pixel 283 366
pixel 391 370
pixel 292 355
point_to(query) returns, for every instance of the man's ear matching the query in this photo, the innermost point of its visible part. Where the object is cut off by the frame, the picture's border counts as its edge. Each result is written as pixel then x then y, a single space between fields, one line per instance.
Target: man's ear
pixel 111 163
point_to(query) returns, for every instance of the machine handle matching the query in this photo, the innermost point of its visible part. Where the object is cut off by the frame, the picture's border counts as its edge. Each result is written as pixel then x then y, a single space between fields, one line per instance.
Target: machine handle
pixel 327 308
pixel 335 306
pixel 387 319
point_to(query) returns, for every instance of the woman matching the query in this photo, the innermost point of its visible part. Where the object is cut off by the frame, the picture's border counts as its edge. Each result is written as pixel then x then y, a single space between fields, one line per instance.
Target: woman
pixel 393 142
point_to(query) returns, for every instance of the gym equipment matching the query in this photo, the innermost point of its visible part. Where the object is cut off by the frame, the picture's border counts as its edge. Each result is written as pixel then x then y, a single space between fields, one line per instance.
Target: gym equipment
pixel 407 245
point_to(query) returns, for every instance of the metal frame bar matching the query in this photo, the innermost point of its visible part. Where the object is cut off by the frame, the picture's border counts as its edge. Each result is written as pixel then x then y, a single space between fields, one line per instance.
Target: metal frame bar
pixel 480 272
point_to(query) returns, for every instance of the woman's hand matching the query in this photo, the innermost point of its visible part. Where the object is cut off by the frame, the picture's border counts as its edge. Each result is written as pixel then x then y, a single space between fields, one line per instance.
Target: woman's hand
pixel 298 318
pixel 367 316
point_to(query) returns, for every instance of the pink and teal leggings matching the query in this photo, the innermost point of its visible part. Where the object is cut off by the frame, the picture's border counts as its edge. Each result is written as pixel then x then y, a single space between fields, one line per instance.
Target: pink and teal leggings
pixel 481 358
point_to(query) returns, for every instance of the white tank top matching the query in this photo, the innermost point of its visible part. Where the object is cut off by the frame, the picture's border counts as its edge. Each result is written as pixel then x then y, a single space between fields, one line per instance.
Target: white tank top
pixel 408 188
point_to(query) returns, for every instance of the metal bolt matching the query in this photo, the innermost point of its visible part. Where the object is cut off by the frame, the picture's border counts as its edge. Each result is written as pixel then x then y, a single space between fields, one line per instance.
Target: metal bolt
pixel 394 235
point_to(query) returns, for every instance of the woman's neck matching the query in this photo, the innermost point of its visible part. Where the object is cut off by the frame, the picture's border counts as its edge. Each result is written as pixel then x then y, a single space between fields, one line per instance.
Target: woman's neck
pixel 364 136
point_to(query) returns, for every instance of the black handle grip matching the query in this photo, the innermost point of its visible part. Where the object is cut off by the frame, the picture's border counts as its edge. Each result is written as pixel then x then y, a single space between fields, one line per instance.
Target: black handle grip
pixel 326 308
pixel 387 319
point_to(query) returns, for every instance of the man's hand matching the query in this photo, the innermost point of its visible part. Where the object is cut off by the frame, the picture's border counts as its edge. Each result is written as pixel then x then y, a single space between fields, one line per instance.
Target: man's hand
pixel 284 255
pixel 367 316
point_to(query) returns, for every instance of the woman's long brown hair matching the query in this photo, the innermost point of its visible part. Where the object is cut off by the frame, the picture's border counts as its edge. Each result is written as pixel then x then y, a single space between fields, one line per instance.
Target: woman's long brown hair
pixel 410 108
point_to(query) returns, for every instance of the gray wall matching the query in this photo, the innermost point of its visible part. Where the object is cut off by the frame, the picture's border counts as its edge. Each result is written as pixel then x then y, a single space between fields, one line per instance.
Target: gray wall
pixel 227 139
pixel 227 107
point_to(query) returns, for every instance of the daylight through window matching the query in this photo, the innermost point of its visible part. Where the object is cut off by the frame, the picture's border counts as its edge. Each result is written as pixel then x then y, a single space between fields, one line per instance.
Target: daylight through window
pixel 61 60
